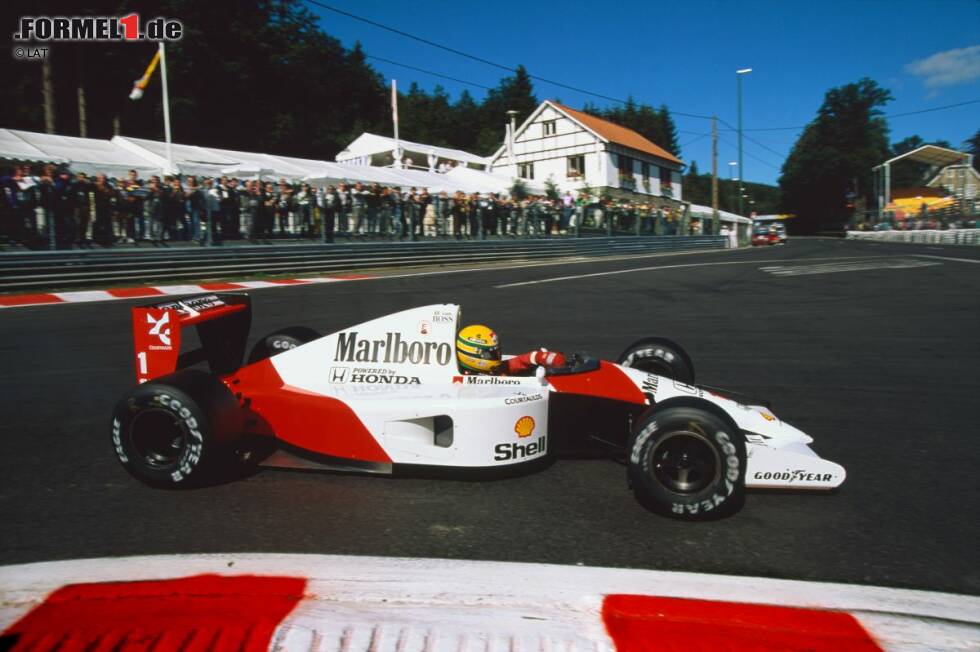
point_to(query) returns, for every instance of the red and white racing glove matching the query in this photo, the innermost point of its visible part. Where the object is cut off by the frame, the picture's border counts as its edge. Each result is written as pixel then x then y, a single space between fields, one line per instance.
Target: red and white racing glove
pixel 540 358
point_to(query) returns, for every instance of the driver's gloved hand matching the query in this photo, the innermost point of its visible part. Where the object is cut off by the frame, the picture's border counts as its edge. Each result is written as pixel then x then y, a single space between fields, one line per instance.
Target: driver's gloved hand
pixel 540 358
pixel 546 358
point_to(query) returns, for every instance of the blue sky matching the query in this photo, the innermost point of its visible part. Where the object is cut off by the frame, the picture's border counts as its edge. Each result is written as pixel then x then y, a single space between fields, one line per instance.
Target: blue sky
pixel 685 54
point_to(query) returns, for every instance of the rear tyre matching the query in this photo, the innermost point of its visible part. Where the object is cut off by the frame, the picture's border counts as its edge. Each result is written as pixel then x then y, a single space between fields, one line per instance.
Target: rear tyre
pixel 179 430
pixel 687 463
pixel 657 355
pixel 281 340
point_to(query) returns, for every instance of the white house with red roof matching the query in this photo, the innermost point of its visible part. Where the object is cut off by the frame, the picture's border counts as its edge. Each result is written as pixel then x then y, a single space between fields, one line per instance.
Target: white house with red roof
pixel 575 149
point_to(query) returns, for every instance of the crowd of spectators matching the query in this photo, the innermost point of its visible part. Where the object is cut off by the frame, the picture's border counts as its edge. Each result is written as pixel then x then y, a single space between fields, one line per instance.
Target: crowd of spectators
pixel 52 207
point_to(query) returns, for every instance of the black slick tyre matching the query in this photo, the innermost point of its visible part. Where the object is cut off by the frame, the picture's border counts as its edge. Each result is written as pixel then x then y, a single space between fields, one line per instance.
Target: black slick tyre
pixel 657 355
pixel 687 463
pixel 179 430
pixel 281 340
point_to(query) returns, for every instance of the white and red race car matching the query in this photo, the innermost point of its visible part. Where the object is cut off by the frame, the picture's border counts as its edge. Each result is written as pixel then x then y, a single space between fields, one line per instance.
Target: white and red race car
pixel 387 395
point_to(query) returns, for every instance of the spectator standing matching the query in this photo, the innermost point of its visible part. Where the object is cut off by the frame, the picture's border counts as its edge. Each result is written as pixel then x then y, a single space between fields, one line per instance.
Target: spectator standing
pixel 372 205
pixel 252 202
pixel 568 206
pixel 195 208
pixel 284 201
pixel 228 207
pixel 330 205
pixel 212 211
pixel 179 207
pixel 303 202
pixel 82 189
pixel 135 220
pixel 152 214
pixel 104 200
pixel 63 208
pixel 343 207
pixel 358 196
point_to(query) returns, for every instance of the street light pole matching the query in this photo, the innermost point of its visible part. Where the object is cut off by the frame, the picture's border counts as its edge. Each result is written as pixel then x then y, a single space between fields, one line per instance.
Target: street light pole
pixel 512 114
pixel 741 167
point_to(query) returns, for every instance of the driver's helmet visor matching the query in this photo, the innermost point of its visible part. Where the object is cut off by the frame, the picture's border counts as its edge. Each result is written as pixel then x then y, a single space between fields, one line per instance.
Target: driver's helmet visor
pixel 488 353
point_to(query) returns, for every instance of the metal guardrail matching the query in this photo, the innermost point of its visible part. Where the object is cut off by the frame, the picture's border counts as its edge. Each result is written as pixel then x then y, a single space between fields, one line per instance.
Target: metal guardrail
pixel 925 236
pixel 64 269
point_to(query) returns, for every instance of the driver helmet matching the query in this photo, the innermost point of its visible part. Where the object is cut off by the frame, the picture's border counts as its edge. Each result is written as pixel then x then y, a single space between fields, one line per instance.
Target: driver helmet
pixel 478 349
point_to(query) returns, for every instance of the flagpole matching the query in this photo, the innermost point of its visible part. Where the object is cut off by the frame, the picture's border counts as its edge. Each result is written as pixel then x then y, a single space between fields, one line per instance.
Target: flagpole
pixel 394 118
pixel 166 106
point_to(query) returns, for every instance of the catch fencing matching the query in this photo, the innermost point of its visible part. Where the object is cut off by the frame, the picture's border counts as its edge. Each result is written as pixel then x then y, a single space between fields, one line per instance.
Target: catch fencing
pixel 46 270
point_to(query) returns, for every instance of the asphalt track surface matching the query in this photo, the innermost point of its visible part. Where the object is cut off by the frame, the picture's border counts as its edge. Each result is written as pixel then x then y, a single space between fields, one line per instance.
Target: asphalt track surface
pixel 880 366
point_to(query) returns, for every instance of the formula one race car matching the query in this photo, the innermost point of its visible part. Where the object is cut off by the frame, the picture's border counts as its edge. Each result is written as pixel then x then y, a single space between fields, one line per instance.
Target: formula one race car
pixel 387 395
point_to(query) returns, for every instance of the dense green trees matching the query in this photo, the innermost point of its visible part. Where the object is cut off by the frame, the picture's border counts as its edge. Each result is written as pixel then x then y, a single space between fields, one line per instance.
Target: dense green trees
pixel 761 198
pixel 248 75
pixel 834 155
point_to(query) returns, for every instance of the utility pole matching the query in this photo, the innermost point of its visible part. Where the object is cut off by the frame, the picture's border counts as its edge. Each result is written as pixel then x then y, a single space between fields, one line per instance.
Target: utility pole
pixel 716 226
pixel 47 90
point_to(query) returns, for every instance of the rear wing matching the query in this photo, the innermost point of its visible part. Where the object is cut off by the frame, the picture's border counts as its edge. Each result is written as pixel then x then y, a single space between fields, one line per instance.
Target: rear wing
pixel 222 321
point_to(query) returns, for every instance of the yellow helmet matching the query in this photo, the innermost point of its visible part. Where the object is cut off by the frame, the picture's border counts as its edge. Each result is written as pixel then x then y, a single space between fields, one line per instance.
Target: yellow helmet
pixel 477 349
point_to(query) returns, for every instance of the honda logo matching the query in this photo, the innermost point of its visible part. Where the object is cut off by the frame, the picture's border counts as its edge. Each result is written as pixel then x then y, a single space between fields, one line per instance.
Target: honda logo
pixel 339 374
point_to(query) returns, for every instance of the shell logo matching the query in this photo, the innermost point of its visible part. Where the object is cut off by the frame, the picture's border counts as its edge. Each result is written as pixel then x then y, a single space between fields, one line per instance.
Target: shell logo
pixel 524 426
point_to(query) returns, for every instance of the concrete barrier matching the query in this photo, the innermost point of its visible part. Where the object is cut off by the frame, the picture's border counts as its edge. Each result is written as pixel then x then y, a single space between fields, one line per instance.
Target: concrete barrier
pixel 929 236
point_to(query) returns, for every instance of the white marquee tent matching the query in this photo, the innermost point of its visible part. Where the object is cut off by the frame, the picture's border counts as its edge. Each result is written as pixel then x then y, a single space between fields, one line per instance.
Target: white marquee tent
pixel 89 155
pixel 148 157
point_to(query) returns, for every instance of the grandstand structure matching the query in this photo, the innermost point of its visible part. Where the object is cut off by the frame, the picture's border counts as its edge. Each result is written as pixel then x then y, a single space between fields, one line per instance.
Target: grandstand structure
pixel 952 186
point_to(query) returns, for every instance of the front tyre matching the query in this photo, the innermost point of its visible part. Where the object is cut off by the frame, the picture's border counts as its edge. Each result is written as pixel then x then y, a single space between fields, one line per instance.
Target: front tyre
pixel 179 430
pixel 687 463
pixel 657 355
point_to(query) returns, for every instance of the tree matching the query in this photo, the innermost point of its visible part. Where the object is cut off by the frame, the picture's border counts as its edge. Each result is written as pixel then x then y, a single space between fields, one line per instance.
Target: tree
pixel 519 190
pixel 834 155
pixel 551 189
pixel 293 90
pixel 514 93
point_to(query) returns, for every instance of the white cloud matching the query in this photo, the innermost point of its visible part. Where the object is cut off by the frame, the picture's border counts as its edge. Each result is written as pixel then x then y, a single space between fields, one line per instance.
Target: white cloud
pixel 949 68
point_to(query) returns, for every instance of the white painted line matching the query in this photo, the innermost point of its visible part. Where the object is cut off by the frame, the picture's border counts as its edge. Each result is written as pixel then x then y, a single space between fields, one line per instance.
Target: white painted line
pixel 959 260
pixel 833 268
pixel 660 267
pixel 361 603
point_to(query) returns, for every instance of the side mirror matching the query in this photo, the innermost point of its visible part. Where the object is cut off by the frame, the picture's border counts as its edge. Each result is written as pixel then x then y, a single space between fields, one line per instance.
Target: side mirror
pixel 539 374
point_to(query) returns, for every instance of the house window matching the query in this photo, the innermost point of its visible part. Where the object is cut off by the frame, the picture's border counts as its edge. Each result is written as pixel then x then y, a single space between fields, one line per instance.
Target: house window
pixel 525 170
pixel 645 170
pixel 576 166
pixel 625 166
pixel 626 179
pixel 550 127
pixel 665 177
